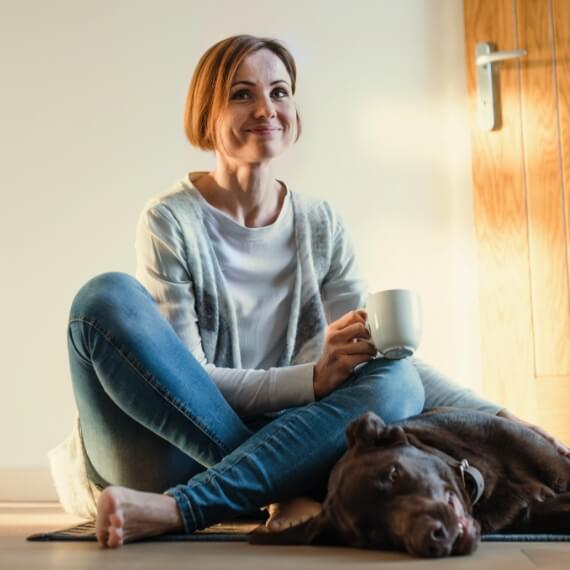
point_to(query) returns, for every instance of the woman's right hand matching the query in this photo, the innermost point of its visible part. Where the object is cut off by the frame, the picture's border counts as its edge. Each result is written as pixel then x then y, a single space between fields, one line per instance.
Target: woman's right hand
pixel 347 344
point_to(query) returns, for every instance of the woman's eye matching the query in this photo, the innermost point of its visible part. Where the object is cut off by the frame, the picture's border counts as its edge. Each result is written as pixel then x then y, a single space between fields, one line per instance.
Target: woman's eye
pixel 241 94
pixel 244 94
pixel 280 92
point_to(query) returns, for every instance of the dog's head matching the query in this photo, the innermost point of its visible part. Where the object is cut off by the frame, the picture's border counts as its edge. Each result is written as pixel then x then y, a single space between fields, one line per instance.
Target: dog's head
pixel 385 493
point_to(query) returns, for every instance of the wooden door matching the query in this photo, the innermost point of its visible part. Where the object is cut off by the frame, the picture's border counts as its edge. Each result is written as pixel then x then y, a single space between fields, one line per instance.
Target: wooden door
pixel 521 181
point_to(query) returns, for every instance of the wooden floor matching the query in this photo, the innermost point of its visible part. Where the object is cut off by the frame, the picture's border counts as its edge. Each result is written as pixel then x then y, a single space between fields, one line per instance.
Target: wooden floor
pixel 17 520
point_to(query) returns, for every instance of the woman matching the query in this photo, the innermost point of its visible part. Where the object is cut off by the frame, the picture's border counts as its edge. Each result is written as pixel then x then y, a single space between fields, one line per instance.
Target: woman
pixel 224 377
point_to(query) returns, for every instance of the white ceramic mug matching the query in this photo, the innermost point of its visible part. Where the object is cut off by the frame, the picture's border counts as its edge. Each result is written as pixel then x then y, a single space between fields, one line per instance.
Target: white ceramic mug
pixel 395 322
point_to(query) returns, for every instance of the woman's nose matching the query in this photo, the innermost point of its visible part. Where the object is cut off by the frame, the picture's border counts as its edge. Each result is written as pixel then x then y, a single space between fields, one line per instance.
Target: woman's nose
pixel 265 108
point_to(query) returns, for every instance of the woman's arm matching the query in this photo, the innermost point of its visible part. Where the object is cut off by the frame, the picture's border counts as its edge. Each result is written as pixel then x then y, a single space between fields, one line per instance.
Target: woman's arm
pixel 161 268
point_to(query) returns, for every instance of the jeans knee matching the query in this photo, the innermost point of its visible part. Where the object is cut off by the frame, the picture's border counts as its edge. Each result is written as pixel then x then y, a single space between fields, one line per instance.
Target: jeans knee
pixel 393 388
pixel 104 294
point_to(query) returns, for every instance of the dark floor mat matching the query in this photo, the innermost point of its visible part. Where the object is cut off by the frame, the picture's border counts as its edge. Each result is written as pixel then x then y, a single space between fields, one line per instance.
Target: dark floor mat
pixel 223 532
pixel 238 532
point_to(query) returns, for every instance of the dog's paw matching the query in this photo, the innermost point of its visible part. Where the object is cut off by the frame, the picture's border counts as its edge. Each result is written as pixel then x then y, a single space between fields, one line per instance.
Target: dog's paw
pixel 537 492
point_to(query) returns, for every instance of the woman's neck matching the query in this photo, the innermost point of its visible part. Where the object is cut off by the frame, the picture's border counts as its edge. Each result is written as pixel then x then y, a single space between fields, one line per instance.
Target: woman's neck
pixel 248 194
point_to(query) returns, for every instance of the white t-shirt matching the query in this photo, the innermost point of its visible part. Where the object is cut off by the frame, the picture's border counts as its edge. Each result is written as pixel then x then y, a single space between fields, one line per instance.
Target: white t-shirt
pixel 259 266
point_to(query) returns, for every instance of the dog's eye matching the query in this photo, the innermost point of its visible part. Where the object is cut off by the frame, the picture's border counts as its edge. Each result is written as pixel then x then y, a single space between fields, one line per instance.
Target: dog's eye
pixel 391 475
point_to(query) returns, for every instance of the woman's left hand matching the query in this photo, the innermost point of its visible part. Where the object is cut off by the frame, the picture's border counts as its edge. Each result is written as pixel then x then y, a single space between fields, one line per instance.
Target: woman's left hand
pixel 562 448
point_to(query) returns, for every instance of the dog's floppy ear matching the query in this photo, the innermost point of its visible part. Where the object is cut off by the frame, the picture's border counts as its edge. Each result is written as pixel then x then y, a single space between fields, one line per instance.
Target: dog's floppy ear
pixel 365 430
pixel 318 530
pixel 370 431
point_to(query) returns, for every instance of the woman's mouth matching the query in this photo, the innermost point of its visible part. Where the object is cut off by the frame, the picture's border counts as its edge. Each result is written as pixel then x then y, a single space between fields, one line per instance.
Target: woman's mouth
pixel 263 131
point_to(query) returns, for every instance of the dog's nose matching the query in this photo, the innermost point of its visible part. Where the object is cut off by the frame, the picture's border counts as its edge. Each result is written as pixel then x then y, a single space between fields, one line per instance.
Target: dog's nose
pixel 437 540
pixel 437 531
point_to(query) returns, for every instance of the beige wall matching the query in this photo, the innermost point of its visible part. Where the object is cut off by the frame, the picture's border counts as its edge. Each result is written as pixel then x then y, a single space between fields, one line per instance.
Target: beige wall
pixel 91 104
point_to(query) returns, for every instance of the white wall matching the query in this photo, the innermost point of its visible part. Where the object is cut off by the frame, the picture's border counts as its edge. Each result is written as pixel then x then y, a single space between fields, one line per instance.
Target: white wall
pixel 91 104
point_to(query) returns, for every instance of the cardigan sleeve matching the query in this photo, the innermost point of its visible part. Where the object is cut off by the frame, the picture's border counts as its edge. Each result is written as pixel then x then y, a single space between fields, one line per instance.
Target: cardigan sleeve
pixel 343 289
pixel 161 268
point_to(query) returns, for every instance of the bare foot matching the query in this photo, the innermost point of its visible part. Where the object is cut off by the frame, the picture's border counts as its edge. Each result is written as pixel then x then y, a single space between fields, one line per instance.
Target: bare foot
pixel 125 515
pixel 291 513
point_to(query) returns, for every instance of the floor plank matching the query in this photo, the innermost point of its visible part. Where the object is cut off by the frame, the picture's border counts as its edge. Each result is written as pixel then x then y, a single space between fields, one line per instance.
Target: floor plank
pixel 18 521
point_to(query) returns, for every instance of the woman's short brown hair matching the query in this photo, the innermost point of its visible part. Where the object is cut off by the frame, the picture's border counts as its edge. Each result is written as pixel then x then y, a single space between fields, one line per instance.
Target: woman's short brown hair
pixel 210 87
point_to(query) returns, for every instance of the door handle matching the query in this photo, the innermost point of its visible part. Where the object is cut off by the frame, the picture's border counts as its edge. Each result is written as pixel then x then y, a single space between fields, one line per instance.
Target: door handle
pixel 496 56
pixel 485 57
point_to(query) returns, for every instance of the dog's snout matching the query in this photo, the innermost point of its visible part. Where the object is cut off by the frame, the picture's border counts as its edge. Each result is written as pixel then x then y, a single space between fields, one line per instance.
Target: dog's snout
pixel 436 540
pixel 437 531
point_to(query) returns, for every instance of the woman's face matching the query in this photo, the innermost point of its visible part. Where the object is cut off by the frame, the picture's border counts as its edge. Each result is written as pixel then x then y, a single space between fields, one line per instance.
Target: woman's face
pixel 260 121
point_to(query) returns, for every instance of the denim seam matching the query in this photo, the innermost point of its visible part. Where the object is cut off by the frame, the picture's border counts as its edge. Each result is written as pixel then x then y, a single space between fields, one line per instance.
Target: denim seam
pixel 149 380
pixel 77 352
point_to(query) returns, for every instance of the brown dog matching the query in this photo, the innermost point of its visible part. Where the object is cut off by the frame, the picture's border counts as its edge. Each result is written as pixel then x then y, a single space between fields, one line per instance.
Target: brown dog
pixel 429 485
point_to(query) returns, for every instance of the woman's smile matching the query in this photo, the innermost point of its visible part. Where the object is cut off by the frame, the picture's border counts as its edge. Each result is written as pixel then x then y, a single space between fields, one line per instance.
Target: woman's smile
pixel 263 131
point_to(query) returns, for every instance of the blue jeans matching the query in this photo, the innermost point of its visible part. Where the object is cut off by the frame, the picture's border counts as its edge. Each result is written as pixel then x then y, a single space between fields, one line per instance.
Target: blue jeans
pixel 152 419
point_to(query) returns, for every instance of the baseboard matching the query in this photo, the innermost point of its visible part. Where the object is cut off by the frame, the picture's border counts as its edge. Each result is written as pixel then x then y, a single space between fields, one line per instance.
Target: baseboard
pixel 26 484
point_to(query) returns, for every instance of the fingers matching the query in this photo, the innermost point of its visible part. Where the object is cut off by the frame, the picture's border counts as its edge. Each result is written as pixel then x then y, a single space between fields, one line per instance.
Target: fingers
pixel 348 333
pixel 357 316
pixel 352 338
pixel 350 355
pixel 359 346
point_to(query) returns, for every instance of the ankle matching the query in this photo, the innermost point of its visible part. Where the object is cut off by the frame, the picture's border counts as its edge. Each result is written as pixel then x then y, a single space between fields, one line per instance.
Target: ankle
pixel 171 514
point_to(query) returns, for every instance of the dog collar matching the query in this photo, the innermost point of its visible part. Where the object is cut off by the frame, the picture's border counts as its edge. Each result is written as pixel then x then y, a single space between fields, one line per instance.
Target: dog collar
pixel 475 478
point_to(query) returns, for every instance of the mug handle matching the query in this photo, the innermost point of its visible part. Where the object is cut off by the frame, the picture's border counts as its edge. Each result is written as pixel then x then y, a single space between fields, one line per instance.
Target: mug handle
pixel 367 325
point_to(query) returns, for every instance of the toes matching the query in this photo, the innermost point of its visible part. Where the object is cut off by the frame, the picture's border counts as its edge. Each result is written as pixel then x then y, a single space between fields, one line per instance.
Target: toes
pixel 107 506
pixel 102 536
pixel 116 531
pixel 117 520
pixel 115 537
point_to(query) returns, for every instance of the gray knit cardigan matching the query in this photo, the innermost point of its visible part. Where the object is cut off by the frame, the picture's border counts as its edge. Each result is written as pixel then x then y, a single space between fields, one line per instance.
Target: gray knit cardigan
pixel 318 232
